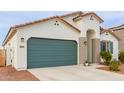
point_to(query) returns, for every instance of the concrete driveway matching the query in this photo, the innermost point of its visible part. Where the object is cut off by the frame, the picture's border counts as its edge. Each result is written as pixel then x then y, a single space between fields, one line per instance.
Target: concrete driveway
pixel 75 73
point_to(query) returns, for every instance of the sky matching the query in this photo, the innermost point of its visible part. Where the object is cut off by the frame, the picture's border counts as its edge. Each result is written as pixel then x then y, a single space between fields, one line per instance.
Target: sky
pixel 10 18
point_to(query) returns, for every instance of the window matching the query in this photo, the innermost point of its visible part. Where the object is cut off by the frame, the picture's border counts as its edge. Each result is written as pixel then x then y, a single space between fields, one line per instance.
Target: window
pixel 111 47
pixel 107 46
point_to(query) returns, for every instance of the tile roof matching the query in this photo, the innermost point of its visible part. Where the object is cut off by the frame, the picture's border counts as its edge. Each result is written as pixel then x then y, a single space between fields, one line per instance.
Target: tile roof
pixel 117 27
pixel 73 13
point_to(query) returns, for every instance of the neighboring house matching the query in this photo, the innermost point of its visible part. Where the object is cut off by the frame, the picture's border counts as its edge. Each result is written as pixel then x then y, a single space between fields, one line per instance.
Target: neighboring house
pixel 57 41
pixel 119 31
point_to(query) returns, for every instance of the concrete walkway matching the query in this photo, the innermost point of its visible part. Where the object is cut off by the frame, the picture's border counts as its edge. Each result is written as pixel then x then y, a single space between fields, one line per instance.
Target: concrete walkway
pixel 75 73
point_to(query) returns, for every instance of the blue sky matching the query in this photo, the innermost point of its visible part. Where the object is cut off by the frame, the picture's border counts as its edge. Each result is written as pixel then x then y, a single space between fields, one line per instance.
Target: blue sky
pixel 8 19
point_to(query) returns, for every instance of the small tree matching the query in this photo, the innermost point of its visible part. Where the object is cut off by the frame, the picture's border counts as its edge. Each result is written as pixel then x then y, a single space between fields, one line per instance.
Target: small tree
pixel 121 56
pixel 106 56
pixel 114 66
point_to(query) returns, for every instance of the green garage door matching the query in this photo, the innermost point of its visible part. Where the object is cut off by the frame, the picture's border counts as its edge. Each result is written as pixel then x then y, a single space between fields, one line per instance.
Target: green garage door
pixel 50 52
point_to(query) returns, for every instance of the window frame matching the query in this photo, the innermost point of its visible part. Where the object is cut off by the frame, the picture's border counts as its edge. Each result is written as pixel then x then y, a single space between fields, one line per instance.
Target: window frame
pixel 107 46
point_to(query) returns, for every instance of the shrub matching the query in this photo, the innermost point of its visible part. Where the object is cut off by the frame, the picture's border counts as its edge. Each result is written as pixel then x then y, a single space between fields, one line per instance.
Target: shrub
pixel 106 56
pixel 121 56
pixel 114 66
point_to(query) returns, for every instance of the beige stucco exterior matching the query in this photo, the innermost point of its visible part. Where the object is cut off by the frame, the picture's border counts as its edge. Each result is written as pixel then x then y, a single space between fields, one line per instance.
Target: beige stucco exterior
pixel 11 52
pixel 62 31
pixel 95 50
pixel 82 50
pixel 88 24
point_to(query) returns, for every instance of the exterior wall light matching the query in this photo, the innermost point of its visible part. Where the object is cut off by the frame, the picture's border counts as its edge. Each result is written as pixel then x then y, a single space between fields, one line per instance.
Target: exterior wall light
pixel 85 42
pixel 106 33
pixel 91 18
pixel 9 44
pixel 22 39
pixel 22 44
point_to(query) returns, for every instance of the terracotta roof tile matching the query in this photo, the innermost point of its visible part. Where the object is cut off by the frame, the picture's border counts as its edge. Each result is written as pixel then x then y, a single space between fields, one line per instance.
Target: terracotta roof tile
pixel 117 27
pixel 33 22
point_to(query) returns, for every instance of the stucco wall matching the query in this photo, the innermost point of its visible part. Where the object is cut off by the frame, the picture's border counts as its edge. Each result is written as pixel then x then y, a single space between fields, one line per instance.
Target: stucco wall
pixel 77 24
pixel 111 38
pixel 90 36
pixel 88 24
pixel 43 30
pixel 11 52
pixel 85 24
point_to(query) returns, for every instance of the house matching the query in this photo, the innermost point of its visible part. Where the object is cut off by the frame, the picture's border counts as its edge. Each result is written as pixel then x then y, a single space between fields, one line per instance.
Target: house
pixel 119 31
pixel 57 41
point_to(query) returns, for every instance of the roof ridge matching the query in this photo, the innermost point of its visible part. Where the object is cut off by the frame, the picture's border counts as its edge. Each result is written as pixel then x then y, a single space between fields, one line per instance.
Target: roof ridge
pixel 43 19
pixel 72 13
pixel 117 26
pixel 35 21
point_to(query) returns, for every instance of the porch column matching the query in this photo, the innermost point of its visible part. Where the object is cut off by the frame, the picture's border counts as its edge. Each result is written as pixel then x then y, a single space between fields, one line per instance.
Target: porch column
pixel 82 50
pixel 95 50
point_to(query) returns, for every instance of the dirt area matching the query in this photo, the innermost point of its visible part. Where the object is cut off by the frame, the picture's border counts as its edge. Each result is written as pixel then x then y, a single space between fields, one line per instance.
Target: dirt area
pixel 121 69
pixel 10 74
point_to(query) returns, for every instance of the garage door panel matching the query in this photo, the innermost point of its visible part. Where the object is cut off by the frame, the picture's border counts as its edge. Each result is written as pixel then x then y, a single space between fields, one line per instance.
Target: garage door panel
pixel 49 47
pixel 48 52
pixel 51 59
pixel 49 64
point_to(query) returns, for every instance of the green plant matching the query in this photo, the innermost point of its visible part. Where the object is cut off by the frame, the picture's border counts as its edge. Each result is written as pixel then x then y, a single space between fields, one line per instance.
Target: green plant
pixel 121 56
pixel 114 66
pixel 106 56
